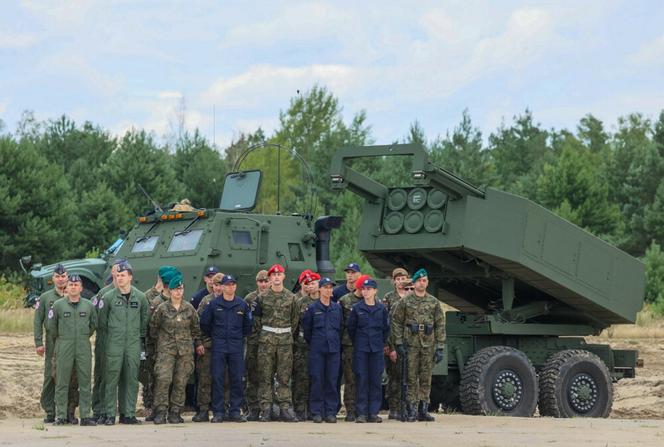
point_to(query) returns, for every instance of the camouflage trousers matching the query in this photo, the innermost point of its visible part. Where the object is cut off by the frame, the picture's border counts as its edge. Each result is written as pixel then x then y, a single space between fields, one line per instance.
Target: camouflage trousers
pixel 350 393
pixel 72 393
pixel 420 368
pixel 300 377
pixel 393 390
pixel 204 384
pixel 146 375
pixel 275 360
pixel 171 369
pixel 251 370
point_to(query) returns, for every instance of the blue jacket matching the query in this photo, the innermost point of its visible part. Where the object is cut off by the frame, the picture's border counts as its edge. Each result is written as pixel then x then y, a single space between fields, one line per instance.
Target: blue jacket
pixel 339 291
pixel 197 297
pixel 322 326
pixel 227 323
pixel 368 327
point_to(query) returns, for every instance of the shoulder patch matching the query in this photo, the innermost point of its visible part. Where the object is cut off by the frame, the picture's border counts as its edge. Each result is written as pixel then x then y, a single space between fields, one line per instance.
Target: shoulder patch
pixel 50 314
pixel 101 304
pixel 37 304
pixel 94 301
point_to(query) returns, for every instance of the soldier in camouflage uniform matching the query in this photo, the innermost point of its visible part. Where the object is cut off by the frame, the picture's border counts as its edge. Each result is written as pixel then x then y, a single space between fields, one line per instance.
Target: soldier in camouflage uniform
pixel 204 383
pixel 418 324
pixel 347 302
pixel 277 316
pixel 155 296
pixel 251 359
pixel 175 326
pixel 300 385
pixel 46 347
pixel 390 300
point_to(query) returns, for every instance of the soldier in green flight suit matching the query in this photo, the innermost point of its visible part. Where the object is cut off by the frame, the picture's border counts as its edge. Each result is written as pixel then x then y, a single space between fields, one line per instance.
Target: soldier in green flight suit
pixel 123 318
pixel 46 347
pixel 155 296
pixel 98 411
pixel 73 320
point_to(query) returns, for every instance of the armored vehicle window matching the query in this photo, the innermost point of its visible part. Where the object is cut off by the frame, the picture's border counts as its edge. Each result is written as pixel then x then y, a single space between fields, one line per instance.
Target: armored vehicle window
pixel 240 191
pixel 185 241
pixel 295 252
pixel 242 237
pixel 144 244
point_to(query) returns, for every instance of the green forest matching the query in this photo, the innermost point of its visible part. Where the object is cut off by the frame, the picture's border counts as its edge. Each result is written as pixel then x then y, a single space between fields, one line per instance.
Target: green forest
pixel 68 189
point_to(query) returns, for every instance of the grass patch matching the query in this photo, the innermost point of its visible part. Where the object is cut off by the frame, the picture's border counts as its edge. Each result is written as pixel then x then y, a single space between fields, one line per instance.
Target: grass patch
pixel 11 293
pixel 40 426
pixel 649 324
pixel 16 321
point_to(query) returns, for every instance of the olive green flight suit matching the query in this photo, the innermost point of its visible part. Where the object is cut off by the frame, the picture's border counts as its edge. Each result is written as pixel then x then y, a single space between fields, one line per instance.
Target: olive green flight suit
pixel 98 385
pixel 73 324
pixel 40 325
pixel 124 323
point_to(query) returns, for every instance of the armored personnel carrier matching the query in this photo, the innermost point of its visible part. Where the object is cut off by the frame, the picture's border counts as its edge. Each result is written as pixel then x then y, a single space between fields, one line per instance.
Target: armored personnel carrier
pixel 526 286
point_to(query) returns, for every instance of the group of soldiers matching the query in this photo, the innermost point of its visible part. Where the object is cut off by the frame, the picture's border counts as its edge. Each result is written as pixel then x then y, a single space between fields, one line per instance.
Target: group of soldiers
pixel 272 355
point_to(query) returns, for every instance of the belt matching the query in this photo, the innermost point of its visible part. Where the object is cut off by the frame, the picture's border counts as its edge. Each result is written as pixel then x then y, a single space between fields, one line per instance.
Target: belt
pixel 277 330
pixel 420 327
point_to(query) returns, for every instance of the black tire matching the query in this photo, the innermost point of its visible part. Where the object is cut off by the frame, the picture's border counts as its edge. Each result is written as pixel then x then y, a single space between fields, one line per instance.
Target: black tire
pixel 575 383
pixel 90 289
pixel 499 380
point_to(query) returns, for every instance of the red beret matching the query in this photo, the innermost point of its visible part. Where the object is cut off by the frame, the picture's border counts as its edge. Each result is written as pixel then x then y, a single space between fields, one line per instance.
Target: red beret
pixel 304 275
pixel 313 276
pixel 276 268
pixel 360 280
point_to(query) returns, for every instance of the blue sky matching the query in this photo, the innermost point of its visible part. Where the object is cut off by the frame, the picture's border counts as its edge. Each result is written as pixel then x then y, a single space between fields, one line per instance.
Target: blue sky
pixel 127 63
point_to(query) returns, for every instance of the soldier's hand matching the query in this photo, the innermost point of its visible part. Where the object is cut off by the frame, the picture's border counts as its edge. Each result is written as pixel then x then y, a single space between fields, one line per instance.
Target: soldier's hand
pixel 200 350
pixel 393 356
pixel 438 355
pixel 386 350
pixel 41 350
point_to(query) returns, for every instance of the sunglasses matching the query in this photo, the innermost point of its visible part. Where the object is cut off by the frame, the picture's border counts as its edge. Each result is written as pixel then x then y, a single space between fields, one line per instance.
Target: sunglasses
pixel 409 288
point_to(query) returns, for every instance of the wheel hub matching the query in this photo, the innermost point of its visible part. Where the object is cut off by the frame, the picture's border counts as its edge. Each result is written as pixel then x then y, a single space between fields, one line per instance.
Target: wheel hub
pixel 507 390
pixel 583 393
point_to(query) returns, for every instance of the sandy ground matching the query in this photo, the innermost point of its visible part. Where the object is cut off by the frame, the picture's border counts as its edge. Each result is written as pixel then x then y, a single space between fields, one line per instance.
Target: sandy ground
pixel 641 400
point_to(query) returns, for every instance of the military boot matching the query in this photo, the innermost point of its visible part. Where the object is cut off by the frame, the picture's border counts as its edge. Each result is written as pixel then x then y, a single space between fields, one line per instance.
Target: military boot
pixel 150 415
pixel 88 422
pixel 253 415
pixel 288 415
pixel 394 414
pixel 423 412
pixel 412 413
pixel 201 416
pixel 71 419
pixel 265 415
pixel 350 416
pixel 174 417
pixel 60 421
pixel 49 419
pixel 159 417
pixel 131 420
pixel 301 415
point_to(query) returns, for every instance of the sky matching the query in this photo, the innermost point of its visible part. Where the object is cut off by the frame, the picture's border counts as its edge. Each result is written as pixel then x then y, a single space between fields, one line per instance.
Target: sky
pixel 129 63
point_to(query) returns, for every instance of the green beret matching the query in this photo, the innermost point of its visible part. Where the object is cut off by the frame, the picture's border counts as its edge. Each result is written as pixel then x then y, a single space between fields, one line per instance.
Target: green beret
pixel 165 272
pixel 421 273
pixel 168 276
pixel 176 281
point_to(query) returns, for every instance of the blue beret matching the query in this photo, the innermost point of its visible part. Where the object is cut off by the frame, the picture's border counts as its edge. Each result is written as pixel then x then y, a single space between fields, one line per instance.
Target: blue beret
pixel 59 269
pixel 421 273
pixel 125 267
pixel 175 282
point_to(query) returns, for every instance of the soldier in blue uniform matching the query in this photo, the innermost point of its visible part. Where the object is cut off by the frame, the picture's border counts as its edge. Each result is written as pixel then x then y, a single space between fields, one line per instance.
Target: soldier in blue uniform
pixel 369 329
pixel 322 323
pixel 227 320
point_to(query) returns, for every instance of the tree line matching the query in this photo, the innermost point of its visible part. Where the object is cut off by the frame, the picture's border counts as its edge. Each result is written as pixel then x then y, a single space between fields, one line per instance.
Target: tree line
pixel 68 189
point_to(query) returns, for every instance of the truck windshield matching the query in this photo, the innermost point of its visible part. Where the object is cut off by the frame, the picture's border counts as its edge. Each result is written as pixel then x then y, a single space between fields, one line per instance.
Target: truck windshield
pixel 144 244
pixel 185 241
pixel 240 191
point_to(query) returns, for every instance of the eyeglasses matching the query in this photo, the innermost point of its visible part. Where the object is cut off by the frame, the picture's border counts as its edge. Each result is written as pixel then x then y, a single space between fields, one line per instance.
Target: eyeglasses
pixel 409 288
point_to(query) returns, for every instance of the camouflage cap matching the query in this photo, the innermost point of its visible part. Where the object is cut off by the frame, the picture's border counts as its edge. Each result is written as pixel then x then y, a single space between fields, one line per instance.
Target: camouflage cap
pixel 261 275
pixel 399 272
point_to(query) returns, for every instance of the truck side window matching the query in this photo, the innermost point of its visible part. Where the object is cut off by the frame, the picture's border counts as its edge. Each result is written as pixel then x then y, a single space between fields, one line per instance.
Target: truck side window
pixel 145 244
pixel 185 241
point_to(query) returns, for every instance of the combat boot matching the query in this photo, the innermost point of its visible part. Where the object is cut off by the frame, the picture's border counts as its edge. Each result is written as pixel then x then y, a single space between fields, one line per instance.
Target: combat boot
pixel 101 420
pixel 331 419
pixel 288 415
pixel 49 419
pixel 317 419
pixel 109 420
pixel 301 415
pixel 412 413
pixel 88 422
pixel 159 417
pixel 265 415
pixel 71 419
pixel 174 417
pixel 350 416
pixel 60 421
pixel 131 420
pixel 253 415
pixel 423 412
pixel 217 419
pixel 201 416
pixel 361 419
pixel 237 417
pixel 150 415
pixel 394 414
pixel 375 418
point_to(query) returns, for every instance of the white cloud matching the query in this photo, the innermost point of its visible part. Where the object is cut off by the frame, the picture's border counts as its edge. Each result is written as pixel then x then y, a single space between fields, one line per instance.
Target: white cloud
pixel 650 52
pixel 65 13
pixel 13 41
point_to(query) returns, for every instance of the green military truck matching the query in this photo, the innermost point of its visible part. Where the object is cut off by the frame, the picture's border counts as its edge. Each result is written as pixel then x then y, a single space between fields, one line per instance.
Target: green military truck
pixel 526 284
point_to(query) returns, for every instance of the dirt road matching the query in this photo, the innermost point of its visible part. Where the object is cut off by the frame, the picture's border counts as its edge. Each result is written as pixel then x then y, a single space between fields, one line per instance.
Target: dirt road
pixel 457 430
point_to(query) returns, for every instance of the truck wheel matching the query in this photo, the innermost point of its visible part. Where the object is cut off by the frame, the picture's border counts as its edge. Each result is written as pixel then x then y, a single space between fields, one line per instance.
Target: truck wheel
pixel 499 380
pixel 575 383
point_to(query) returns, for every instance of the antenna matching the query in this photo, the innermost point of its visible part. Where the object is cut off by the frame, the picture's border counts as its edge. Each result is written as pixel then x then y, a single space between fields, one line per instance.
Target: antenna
pixel 154 202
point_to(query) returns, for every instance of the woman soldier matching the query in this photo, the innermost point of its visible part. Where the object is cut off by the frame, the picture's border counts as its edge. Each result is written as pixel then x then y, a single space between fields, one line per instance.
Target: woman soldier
pixel 175 327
